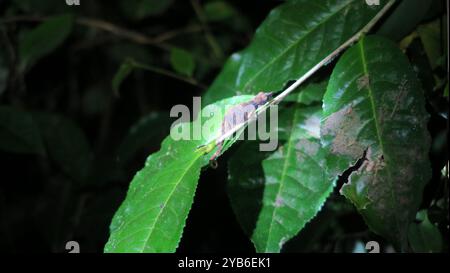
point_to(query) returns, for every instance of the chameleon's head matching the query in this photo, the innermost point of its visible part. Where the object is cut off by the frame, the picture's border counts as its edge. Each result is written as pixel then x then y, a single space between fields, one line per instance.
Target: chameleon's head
pixel 261 98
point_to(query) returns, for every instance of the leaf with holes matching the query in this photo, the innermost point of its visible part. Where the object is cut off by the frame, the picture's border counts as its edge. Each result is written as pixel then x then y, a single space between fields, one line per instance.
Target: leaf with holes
pixel 374 109
pixel 153 215
pixel 274 196
pixel 294 37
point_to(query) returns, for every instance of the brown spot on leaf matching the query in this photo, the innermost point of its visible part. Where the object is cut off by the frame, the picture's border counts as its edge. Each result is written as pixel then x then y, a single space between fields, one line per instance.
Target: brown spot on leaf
pixel 343 126
pixel 363 82
pixel 308 146
pixel 372 163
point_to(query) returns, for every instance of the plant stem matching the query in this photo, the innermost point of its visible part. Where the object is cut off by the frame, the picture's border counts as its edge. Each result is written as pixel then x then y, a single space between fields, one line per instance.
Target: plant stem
pixel 118 31
pixel 209 37
pixel 167 73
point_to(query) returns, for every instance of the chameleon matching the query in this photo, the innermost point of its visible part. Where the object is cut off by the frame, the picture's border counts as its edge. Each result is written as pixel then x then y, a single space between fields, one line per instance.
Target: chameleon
pixel 236 115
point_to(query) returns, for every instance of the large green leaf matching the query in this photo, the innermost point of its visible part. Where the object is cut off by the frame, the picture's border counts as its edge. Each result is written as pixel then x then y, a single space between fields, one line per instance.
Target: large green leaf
pixel 293 38
pixel 275 196
pixel 374 109
pixel 43 39
pixel 152 217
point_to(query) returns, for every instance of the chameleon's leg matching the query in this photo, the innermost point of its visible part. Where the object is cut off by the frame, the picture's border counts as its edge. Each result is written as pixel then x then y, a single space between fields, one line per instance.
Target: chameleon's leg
pixel 205 148
pixel 217 153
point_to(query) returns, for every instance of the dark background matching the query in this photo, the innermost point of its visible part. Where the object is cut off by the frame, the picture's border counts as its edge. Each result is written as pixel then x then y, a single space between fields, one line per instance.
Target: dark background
pixel 42 205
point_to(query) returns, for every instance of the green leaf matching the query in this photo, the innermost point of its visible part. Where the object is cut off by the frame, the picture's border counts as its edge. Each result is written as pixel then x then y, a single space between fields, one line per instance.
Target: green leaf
pixel 18 132
pixel 404 18
pixel 218 11
pixel 374 109
pixel 140 9
pixel 122 73
pixel 246 183
pixel 43 39
pixel 309 93
pixel 66 144
pixel 143 133
pixel 182 61
pixel 430 35
pixel 424 237
pixel 153 215
pixel 292 39
pixel 275 196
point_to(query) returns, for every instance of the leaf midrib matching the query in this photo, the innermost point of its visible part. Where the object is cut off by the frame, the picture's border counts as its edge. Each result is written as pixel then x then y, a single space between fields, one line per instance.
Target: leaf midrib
pixel 151 229
pixel 380 141
pixel 283 175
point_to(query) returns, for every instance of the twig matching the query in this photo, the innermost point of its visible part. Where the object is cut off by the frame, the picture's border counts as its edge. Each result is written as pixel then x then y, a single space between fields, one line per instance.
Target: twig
pixel 124 33
pixel 209 37
pixel 167 73
pixel 116 30
pixel 90 22
pixel 176 32
pixel 325 61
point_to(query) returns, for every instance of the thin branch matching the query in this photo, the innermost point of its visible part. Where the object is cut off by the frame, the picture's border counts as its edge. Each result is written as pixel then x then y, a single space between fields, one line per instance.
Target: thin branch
pixel 209 37
pixel 116 30
pixel 109 27
pixel 176 32
pixel 167 73
pixel 129 35
pixel 325 61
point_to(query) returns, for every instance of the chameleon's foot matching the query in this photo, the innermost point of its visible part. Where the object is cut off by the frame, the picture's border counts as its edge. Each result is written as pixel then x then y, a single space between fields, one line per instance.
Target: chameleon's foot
pixel 200 146
pixel 205 148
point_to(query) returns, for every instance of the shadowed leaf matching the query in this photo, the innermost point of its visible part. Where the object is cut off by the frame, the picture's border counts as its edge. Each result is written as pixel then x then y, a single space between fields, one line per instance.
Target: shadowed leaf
pixel 153 215
pixel 18 132
pixel 43 39
pixel 275 194
pixel 374 109
pixel 292 39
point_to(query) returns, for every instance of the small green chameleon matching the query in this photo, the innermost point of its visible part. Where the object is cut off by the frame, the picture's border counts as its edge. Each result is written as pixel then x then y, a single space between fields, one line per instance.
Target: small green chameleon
pixel 234 116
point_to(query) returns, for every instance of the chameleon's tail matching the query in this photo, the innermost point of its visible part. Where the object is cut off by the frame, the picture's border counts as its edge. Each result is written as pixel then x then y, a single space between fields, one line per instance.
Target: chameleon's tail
pixel 213 159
